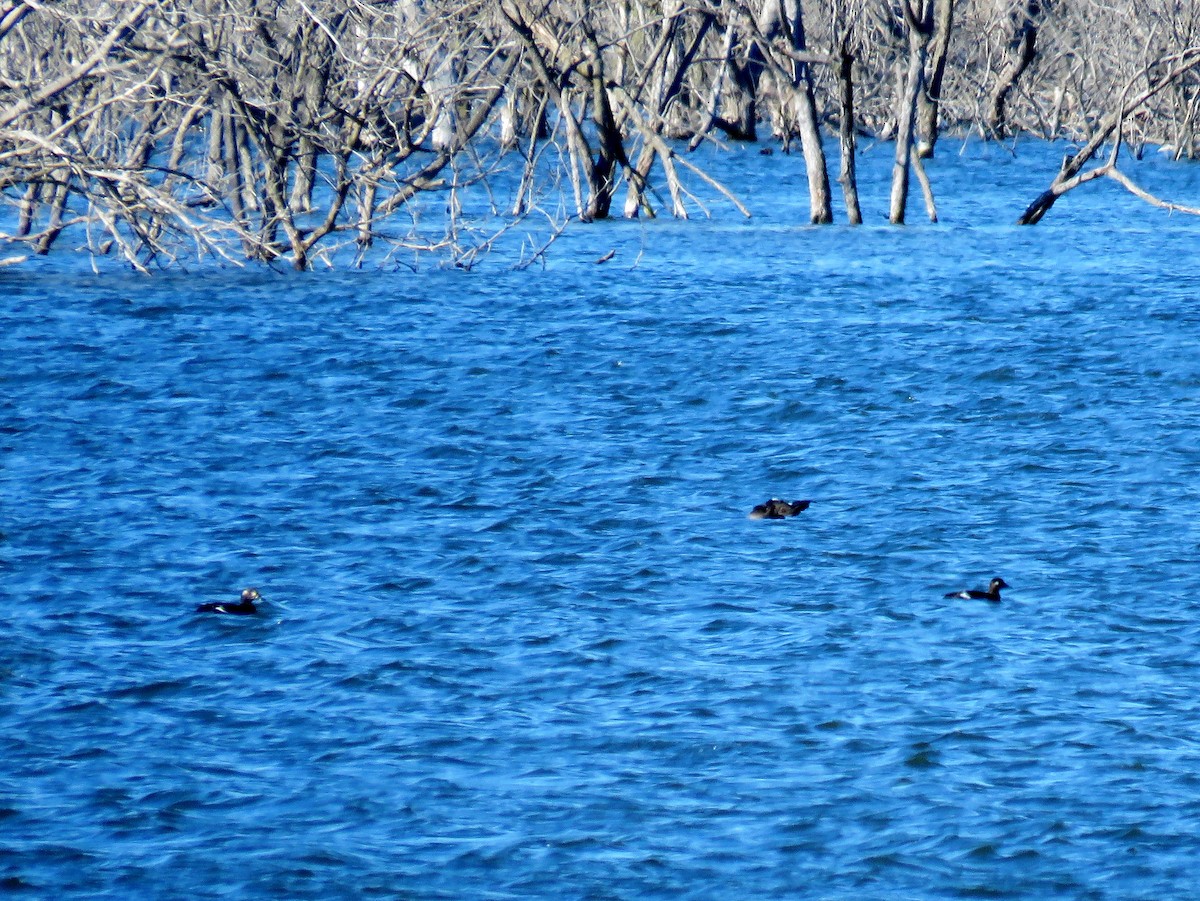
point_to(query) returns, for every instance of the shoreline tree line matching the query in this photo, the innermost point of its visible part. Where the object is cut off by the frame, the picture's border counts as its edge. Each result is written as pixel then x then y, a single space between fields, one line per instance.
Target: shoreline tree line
pixel 307 130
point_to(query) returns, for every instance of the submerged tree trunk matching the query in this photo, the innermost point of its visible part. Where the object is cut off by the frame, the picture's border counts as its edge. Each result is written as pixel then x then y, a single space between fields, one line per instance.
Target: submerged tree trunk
pixel 844 28
pixel 1022 51
pixel 846 136
pixel 325 119
pixel 784 20
pixel 729 70
pixel 611 147
pixel 820 209
pixel 930 98
pixel 740 121
pixel 917 15
pixel 551 80
pixel 54 193
pixel 316 54
pixel 1071 175
pixel 658 90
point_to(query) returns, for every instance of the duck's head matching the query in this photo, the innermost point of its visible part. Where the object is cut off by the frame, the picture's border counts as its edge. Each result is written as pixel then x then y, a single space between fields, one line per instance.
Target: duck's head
pixel 996 584
pixel 250 595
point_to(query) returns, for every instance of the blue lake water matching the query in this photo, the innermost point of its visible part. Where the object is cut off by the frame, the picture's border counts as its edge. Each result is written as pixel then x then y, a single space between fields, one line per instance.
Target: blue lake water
pixel 521 639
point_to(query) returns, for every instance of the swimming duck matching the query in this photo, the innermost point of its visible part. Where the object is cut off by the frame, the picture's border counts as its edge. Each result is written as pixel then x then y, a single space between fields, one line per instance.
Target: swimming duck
pixel 244 607
pixel 992 593
pixel 777 509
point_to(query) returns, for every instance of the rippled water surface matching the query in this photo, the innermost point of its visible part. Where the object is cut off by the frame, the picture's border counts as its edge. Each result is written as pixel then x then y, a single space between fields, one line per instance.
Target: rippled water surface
pixel 521 639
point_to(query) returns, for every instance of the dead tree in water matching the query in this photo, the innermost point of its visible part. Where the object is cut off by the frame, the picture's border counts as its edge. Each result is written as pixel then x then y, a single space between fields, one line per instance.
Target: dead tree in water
pixel 54 103
pixel 844 36
pixel 820 211
pixel 1160 75
pixel 319 119
pixel 328 133
pixel 589 62
pixel 929 100
pixel 1022 49
pixel 654 85
pixel 308 131
pixel 918 17
pixel 553 64
pixel 780 49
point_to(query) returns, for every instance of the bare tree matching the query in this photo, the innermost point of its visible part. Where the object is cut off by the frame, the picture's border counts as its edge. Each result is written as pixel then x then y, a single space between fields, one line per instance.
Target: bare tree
pixel 820 211
pixel 324 119
pixel 1160 75
pixel 308 131
pixel 929 100
pixel 779 53
pixel 1022 49
pixel 845 38
pixel 918 18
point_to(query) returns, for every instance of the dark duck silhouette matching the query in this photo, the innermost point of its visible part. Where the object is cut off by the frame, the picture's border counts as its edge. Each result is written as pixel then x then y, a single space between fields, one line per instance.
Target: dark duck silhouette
pixel 777 509
pixel 244 607
pixel 992 593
